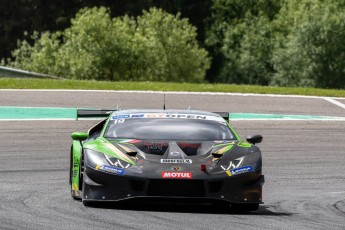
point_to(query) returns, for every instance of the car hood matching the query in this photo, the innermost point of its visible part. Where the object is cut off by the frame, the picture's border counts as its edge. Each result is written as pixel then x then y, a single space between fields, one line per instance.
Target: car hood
pixel 154 157
pixel 174 151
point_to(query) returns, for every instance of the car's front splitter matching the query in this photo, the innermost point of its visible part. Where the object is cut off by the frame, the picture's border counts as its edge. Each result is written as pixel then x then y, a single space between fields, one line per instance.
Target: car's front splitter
pixel 101 186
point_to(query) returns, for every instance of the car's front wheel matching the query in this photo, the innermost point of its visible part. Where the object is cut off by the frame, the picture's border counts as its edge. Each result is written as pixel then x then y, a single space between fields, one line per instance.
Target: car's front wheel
pixel 75 192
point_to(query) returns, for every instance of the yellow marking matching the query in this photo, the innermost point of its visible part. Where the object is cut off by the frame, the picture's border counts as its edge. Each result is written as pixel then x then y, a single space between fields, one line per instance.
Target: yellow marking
pixel 228 172
pixel 74 187
pixel 126 148
pixel 98 166
pixel 119 152
pixel 221 150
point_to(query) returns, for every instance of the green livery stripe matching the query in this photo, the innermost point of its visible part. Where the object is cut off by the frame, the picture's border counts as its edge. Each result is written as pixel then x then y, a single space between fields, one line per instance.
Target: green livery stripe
pixel 234 132
pixel 103 146
pixel 225 149
pixel 244 144
pixel 225 144
pixel 76 164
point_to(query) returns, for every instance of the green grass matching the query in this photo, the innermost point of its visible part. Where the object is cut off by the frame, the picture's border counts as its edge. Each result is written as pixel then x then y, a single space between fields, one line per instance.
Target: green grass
pixel 34 83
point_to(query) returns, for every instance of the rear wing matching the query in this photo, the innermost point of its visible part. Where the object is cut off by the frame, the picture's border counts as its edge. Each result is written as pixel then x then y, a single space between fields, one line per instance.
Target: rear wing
pixel 224 115
pixel 94 113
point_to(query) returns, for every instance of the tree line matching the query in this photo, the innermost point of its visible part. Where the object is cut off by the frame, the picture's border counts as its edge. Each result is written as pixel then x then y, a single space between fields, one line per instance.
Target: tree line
pixel 263 42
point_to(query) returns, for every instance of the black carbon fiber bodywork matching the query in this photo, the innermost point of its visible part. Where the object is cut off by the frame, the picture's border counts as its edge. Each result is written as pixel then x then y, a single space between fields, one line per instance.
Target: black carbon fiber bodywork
pixel 101 186
pixel 184 155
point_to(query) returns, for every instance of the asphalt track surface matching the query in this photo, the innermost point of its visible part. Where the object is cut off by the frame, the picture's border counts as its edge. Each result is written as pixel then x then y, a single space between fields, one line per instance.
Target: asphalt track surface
pixel 303 166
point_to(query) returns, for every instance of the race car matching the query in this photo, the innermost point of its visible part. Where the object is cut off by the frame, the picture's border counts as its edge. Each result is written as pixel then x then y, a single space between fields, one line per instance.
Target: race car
pixel 169 154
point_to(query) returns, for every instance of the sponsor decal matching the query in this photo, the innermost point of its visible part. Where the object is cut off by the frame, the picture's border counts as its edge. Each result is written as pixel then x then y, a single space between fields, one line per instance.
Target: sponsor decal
pixel 174 154
pixel 119 121
pixel 220 142
pixel 111 169
pixel 176 161
pixel 176 168
pixel 131 141
pixel 75 169
pixel 185 116
pixel 120 116
pixel 155 145
pixel 125 116
pixel 189 145
pixel 137 115
pixel 169 115
pixel 241 170
pixel 177 175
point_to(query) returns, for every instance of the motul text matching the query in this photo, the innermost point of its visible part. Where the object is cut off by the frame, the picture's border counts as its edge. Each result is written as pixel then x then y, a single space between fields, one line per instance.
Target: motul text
pixel 177 175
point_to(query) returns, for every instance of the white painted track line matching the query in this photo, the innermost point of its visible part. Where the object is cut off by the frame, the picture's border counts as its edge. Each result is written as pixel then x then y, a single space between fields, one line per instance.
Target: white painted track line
pixel 173 92
pixel 331 100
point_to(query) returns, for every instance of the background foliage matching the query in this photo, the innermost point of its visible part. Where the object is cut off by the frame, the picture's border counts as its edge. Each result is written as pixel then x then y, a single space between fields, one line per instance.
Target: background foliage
pixel 264 42
pixel 155 46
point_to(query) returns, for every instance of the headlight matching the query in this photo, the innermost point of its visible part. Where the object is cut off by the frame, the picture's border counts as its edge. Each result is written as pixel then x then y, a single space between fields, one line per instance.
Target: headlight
pixel 233 164
pixel 95 160
pixel 117 162
pixel 236 167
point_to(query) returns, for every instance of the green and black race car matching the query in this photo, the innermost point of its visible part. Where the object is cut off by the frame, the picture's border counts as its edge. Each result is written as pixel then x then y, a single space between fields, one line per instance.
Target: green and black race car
pixel 169 154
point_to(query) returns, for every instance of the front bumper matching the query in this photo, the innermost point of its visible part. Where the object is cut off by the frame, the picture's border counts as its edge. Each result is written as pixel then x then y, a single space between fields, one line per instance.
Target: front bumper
pixel 101 186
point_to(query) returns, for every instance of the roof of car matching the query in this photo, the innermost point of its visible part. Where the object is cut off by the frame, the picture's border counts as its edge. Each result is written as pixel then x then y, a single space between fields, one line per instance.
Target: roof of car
pixel 159 113
pixel 168 111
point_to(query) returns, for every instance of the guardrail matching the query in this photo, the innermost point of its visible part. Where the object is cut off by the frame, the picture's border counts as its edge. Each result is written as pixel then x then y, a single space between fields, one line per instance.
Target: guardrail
pixel 17 73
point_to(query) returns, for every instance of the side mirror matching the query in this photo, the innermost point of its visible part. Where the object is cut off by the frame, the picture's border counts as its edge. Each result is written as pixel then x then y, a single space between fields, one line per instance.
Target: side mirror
pixel 253 139
pixel 79 136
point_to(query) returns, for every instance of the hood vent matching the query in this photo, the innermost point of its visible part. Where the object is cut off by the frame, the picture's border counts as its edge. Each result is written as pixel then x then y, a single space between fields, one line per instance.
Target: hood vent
pixel 217 155
pixel 132 154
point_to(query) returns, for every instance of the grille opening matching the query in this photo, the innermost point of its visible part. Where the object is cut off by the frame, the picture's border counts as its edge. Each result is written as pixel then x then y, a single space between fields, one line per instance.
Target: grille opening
pixel 189 148
pixel 215 186
pixel 176 188
pixel 137 185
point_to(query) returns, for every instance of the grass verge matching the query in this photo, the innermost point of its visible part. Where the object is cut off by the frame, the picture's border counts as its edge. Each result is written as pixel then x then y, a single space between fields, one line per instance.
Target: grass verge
pixel 34 83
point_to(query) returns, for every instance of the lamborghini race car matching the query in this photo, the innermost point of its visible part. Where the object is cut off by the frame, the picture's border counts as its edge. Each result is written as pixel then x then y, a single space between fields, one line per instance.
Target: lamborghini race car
pixel 170 154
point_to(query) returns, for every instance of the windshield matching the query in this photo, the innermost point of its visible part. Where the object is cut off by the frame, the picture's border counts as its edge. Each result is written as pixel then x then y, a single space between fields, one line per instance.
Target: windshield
pixel 168 129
